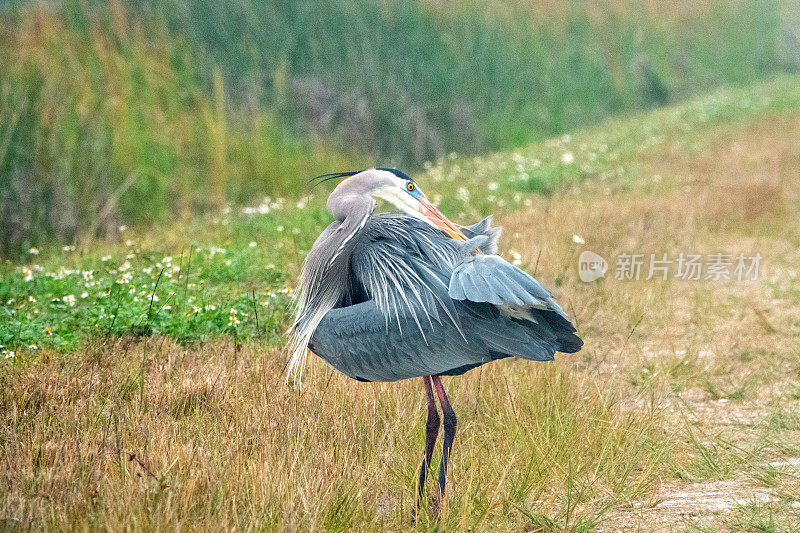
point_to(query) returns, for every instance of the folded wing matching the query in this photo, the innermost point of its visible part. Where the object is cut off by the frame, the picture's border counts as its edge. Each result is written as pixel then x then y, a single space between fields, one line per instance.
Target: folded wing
pixel 421 303
pixel 491 279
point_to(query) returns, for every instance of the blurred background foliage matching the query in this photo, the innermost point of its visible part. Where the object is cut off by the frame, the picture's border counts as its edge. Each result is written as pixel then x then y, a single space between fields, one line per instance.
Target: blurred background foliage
pixel 146 111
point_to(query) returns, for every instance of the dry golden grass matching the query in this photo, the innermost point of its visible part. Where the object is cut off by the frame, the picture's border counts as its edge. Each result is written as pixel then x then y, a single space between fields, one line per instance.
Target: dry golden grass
pixel 721 356
pixel 680 410
pixel 212 438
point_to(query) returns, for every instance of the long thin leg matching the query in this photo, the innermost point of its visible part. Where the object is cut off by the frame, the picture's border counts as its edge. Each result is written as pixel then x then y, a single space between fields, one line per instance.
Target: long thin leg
pixel 431 432
pixel 449 434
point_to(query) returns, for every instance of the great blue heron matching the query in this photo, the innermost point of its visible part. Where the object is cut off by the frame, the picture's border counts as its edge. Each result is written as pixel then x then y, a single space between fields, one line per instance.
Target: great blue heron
pixel 390 296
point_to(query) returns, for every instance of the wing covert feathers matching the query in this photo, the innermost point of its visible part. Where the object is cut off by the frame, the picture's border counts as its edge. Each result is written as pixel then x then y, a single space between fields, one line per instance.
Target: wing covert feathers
pixel 424 303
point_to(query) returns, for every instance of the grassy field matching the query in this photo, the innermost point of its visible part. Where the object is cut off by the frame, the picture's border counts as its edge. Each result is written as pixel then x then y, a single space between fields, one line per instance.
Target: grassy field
pixel 123 411
pixel 184 107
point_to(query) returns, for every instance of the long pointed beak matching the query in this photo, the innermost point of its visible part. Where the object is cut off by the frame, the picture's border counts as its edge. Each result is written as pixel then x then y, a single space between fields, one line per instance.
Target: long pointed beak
pixel 439 220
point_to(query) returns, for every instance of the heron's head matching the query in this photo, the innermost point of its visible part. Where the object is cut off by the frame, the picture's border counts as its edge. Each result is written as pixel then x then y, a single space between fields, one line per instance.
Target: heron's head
pixel 399 190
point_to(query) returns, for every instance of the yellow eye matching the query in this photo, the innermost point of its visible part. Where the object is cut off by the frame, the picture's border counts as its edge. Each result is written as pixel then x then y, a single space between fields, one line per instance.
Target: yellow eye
pixel 410 186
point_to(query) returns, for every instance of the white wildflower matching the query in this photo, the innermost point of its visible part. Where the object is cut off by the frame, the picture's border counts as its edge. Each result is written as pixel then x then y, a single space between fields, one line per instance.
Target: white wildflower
pixel 233 321
pixel 577 239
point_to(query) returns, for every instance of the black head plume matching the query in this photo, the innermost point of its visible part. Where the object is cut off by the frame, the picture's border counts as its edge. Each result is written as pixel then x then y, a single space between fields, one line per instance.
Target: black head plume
pixel 334 176
pixel 338 175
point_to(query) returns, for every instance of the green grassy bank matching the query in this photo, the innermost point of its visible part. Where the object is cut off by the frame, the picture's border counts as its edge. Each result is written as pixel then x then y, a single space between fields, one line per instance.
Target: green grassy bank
pixel 145 113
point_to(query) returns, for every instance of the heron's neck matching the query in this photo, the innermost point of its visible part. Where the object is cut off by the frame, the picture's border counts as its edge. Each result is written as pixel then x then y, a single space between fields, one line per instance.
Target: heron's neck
pixel 343 205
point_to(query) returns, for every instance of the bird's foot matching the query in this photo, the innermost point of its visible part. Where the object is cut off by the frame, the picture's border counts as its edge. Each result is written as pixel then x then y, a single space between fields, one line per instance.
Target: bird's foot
pixel 436 505
pixel 434 510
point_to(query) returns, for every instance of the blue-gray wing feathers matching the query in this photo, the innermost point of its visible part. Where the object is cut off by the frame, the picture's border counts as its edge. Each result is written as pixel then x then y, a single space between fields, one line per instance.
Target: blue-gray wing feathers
pixel 421 303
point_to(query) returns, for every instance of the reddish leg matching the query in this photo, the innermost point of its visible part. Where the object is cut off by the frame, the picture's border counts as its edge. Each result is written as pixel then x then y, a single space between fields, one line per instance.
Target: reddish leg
pixel 431 431
pixel 449 434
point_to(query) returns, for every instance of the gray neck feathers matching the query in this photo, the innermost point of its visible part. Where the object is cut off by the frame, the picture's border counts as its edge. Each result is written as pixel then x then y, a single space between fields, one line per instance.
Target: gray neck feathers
pixel 324 278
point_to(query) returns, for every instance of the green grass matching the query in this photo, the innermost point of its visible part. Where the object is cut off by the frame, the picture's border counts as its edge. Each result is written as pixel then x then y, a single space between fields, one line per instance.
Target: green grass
pixel 111 125
pixel 201 289
pixel 146 113
pixel 245 260
pixel 473 73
